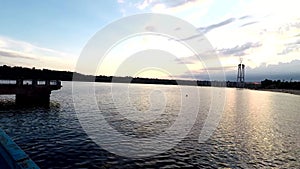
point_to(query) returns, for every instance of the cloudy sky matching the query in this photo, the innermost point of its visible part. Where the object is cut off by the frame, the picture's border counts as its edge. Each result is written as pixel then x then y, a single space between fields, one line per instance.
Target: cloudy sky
pixel 51 34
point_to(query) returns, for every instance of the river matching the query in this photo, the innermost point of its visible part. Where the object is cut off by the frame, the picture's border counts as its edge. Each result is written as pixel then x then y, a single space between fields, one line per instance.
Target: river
pixel 256 129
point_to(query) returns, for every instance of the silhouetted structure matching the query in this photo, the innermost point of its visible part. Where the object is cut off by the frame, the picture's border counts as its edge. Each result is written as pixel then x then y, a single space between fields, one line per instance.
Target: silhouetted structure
pixel 278 84
pixel 30 91
pixel 15 73
pixel 240 82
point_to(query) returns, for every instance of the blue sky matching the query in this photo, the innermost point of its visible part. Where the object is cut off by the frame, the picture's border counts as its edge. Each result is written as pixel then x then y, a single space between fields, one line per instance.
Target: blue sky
pixel 61 25
pixel 51 34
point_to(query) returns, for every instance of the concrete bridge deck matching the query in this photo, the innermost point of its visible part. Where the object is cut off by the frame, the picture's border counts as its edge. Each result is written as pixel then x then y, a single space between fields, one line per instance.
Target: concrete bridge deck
pixel 29 90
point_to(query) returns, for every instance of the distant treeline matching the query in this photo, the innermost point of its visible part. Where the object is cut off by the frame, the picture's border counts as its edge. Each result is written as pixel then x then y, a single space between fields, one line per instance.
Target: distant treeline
pixel 278 84
pixel 7 72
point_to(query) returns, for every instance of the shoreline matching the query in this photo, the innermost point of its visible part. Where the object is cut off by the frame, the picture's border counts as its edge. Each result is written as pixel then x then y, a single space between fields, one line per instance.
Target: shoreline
pixel 290 91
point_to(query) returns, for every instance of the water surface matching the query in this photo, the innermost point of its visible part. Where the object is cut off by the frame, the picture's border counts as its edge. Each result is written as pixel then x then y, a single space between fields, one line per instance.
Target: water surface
pixel 257 128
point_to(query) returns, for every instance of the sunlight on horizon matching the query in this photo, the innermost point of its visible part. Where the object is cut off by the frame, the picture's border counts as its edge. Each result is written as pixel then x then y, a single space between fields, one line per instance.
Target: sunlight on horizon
pixel 264 33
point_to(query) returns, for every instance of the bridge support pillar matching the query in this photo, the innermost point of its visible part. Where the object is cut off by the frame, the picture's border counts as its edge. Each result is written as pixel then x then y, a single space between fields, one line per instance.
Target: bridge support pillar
pixel 33 98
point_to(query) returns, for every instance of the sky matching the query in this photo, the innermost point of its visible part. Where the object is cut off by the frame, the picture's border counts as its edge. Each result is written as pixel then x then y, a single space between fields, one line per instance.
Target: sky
pixel 51 34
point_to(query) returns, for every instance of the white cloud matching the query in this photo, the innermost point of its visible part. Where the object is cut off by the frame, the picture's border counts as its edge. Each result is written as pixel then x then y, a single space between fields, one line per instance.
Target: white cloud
pixel 120 1
pixel 124 50
pixel 143 5
pixel 190 11
pixel 274 25
pixel 20 53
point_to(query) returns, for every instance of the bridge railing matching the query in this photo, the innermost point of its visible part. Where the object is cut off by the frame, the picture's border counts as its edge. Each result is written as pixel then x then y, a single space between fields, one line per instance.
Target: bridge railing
pixel 31 82
pixel 8 82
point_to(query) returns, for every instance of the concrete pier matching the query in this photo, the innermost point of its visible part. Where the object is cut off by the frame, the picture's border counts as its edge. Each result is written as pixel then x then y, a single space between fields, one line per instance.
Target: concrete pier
pixel 30 91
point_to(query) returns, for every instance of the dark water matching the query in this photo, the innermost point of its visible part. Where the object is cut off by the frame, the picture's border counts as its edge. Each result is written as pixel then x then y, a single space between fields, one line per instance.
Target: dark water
pixel 257 130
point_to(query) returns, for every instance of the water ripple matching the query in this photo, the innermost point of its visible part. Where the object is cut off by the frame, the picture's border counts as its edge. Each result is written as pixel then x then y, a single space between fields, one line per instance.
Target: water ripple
pixel 257 130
